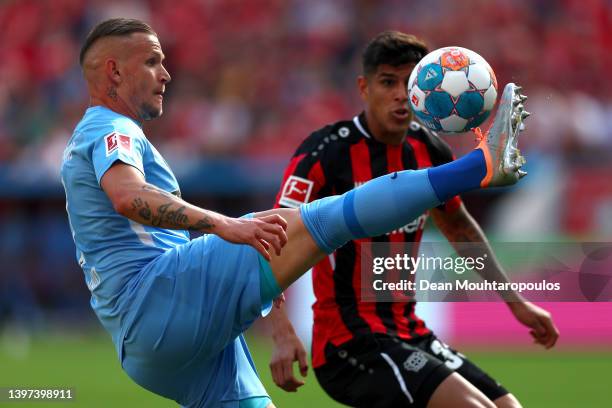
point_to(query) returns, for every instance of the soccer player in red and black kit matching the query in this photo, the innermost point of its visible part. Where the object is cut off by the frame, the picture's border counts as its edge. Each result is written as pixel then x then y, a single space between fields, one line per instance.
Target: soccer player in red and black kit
pixel 378 354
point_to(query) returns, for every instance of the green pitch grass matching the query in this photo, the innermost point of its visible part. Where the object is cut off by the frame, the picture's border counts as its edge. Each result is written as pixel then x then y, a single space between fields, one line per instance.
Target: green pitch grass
pixel 87 363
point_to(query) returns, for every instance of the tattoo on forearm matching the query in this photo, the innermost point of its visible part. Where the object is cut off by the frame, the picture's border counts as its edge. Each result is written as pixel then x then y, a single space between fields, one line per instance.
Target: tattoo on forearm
pixel 171 214
pixel 137 203
pixel 167 216
pixel 142 207
pixel 145 212
pixel 203 224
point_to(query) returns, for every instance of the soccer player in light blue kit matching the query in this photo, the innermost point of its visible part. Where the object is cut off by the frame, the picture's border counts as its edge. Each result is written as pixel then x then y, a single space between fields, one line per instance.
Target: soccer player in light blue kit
pixel 176 308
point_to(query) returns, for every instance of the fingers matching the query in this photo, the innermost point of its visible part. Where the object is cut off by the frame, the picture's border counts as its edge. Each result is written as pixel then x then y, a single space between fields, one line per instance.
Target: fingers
pixel 279 300
pixel 276 230
pixel 262 247
pixel 267 233
pixel 275 219
pixel 303 362
pixel 552 333
pixel 276 374
pixel 271 240
pixel 544 332
pixel 291 383
pixel 540 330
pixel 274 234
pixel 282 374
pixel 264 242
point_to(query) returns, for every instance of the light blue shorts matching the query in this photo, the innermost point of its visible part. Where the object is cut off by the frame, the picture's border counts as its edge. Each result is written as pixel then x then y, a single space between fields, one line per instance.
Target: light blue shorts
pixel 184 337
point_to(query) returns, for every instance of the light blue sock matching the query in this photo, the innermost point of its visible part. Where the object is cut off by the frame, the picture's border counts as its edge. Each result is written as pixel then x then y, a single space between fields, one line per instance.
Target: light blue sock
pixel 379 206
pixel 389 202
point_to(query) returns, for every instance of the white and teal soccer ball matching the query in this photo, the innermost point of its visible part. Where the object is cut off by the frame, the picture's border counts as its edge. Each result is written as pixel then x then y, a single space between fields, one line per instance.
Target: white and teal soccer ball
pixel 452 89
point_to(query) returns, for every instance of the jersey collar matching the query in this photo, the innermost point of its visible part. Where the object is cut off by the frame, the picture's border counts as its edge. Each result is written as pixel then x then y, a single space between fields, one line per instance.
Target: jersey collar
pixel 104 108
pixel 361 124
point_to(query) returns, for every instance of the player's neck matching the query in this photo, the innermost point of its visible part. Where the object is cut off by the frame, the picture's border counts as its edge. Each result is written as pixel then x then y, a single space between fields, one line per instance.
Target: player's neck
pixel 382 135
pixel 116 104
pixel 389 138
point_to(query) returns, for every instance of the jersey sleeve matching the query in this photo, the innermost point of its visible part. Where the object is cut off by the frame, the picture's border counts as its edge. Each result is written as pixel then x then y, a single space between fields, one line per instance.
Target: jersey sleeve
pixel 127 147
pixel 304 177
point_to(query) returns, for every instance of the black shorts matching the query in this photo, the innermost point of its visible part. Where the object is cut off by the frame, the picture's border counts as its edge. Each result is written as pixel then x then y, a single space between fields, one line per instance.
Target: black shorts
pixel 384 371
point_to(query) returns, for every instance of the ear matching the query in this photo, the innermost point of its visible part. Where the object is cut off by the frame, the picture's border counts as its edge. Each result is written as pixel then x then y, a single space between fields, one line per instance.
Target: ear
pixel 362 84
pixel 111 70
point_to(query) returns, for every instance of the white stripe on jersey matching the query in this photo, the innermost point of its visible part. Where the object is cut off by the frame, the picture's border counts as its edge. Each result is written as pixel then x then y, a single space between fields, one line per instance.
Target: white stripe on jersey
pixel 142 234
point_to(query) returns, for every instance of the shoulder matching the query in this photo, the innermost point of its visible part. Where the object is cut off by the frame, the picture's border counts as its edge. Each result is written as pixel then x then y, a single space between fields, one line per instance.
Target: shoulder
pixel 100 122
pixel 438 150
pixel 329 138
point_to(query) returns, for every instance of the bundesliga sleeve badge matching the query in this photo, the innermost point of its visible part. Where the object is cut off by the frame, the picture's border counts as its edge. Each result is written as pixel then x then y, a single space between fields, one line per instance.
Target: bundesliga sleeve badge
pixel 296 191
pixel 115 141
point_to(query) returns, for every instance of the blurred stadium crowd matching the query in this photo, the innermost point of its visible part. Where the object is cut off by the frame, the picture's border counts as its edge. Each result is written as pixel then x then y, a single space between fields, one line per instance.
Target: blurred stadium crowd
pixel 255 77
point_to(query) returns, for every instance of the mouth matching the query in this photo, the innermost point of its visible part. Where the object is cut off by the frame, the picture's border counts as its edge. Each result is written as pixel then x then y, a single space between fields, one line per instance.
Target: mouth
pixel 401 114
pixel 159 94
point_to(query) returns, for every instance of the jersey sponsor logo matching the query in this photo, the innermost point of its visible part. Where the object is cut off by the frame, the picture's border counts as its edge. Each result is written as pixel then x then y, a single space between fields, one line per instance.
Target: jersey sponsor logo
pixel 116 141
pixel 415 362
pixel 296 191
pixel 412 226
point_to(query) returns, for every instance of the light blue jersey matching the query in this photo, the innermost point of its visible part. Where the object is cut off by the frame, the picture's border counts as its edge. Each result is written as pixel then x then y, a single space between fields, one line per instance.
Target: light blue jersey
pixel 175 308
pixel 110 248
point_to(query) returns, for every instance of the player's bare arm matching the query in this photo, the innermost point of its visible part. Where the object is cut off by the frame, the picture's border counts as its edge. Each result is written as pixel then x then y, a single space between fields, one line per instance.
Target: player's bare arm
pixel 460 226
pixel 146 204
pixel 287 349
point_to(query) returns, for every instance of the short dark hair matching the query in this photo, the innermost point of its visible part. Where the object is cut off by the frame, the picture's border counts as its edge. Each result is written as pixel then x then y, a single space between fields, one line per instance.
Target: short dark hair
pixel 118 27
pixel 393 48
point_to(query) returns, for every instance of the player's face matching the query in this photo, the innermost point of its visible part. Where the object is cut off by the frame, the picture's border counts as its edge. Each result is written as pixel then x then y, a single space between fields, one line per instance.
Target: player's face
pixel 145 80
pixel 386 97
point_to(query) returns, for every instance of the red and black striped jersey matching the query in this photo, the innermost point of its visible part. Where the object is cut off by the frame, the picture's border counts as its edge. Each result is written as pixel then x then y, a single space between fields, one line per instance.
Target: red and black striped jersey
pixel 334 160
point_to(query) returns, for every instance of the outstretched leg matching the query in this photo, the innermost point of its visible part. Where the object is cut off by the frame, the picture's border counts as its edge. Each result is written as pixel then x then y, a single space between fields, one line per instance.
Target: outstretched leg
pixel 388 202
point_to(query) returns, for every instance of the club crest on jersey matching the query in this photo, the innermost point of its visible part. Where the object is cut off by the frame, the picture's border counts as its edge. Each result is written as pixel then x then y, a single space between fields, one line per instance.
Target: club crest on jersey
pixel 116 141
pixel 296 191
pixel 415 362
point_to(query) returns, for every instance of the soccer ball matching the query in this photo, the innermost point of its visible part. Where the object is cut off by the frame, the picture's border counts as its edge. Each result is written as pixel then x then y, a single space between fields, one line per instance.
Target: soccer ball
pixel 452 89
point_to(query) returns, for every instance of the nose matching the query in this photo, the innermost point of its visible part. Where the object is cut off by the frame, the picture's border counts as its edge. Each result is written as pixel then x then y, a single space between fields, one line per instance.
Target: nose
pixel 401 93
pixel 165 78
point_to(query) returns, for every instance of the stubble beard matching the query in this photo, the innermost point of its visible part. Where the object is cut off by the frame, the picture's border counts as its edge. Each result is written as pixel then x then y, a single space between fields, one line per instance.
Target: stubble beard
pixel 150 112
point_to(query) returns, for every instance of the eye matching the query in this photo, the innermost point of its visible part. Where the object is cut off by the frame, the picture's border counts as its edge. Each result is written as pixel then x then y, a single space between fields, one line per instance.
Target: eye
pixel 151 61
pixel 387 82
